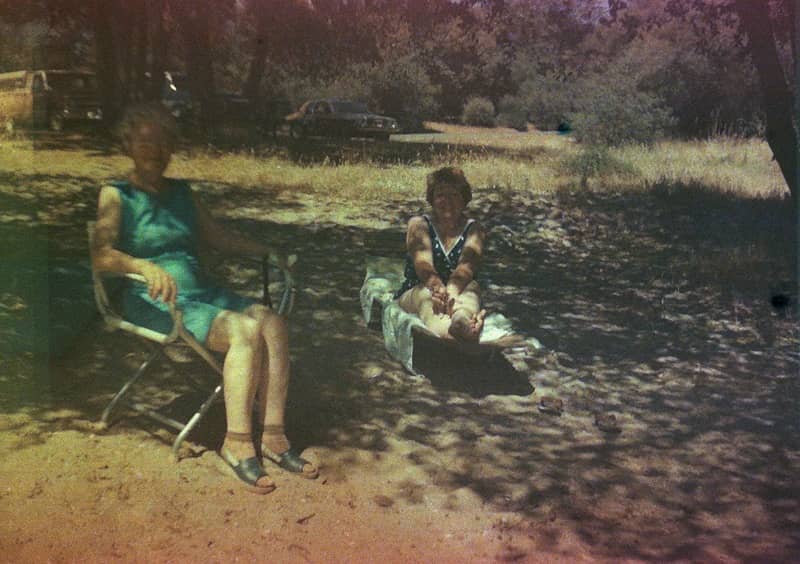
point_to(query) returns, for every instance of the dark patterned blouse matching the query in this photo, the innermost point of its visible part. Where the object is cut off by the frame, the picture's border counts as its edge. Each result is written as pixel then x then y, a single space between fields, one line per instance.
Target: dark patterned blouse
pixel 445 262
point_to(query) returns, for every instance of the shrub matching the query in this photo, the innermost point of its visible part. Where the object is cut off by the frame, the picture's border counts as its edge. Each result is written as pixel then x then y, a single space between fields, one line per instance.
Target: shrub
pixel 515 119
pixel 614 111
pixel 479 111
pixel 593 161
pixel 543 100
pixel 403 88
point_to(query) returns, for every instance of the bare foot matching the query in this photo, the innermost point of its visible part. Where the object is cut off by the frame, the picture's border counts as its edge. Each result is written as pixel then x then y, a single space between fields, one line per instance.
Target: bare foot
pixel 465 328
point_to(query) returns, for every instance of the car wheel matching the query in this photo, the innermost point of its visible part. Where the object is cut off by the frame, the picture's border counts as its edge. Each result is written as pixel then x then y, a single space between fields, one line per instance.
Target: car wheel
pixel 56 122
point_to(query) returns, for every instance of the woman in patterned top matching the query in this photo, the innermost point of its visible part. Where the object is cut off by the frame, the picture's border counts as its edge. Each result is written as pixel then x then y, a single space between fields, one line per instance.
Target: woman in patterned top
pixel 444 251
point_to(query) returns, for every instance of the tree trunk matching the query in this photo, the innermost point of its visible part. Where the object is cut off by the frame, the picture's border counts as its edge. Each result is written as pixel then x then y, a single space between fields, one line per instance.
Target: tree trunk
pixel 159 43
pixel 140 57
pixel 199 63
pixel 779 105
pixel 252 88
pixel 123 27
pixel 778 101
pixel 106 61
pixel 795 11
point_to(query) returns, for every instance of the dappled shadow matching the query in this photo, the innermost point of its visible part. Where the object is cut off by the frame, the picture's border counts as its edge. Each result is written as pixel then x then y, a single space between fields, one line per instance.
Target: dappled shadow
pixel 700 369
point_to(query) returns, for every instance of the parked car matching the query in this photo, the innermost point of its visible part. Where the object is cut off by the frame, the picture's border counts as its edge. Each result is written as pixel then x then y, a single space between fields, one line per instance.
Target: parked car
pixel 48 98
pixel 339 118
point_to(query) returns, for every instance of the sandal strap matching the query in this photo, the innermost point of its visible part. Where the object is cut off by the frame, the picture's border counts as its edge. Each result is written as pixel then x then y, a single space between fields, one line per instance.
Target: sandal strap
pixel 248 470
pixel 274 429
pixel 239 437
pixel 289 460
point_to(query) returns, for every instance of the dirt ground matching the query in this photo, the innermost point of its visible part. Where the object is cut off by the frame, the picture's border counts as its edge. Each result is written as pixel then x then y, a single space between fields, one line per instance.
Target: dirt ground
pixel 703 378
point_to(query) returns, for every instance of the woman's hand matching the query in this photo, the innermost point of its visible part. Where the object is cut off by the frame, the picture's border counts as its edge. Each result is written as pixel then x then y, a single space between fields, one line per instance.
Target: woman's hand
pixel 160 283
pixel 439 297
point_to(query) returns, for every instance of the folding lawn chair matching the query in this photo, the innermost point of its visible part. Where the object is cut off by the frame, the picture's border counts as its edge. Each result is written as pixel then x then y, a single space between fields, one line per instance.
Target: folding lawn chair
pixel 178 337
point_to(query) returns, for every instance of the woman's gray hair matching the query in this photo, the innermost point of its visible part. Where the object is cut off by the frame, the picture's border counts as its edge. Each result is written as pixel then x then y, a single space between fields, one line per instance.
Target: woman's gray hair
pixel 147 112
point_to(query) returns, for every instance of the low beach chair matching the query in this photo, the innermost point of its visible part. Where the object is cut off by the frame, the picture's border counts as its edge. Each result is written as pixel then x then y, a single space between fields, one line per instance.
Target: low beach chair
pixel 157 343
pixel 404 334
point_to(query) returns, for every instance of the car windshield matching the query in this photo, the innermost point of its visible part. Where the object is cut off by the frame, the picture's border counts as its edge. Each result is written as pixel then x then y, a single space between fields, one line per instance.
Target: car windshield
pixel 74 82
pixel 350 108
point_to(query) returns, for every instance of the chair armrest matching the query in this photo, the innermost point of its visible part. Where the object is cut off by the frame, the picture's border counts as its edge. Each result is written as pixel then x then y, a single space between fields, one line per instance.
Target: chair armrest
pixel 287 296
pixel 130 275
pixel 105 309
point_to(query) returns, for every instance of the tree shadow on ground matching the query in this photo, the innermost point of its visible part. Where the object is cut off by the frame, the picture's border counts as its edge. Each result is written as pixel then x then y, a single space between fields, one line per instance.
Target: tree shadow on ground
pixel 702 377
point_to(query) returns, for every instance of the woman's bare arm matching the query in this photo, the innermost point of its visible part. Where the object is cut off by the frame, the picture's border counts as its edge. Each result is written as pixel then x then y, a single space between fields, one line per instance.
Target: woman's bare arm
pixel 213 235
pixel 420 249
pixel 469 262
pixel 106 258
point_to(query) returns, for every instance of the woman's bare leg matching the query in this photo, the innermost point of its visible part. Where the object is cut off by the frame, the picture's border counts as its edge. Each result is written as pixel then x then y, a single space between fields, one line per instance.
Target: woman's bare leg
pixel 418 301
pixel 273 388
pixel 467 316
pixel 240 337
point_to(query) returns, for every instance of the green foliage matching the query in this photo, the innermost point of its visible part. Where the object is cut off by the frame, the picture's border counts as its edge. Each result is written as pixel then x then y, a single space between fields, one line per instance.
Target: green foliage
pixel 479 111
pixel 403 87
pixel 20 45
pixel 536 61
pixel 513 118
pixel 545 101
pixel 613 110
pixel 593 161
pixel 709 90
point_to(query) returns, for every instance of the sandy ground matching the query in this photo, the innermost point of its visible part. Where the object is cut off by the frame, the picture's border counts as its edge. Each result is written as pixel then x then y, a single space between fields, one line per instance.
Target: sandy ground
pixel 457 467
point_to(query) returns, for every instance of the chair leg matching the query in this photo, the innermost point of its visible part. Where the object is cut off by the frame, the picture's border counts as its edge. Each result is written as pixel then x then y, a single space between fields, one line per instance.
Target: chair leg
pixel 116 399
pixel 192 423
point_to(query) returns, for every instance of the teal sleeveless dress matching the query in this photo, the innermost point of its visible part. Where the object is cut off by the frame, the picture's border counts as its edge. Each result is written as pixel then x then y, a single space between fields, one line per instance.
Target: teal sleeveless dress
pixel 162 228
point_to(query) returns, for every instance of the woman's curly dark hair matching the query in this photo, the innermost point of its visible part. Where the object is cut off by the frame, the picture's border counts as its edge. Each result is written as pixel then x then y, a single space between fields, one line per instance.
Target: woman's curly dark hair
pixel 451 176
pixel 146 112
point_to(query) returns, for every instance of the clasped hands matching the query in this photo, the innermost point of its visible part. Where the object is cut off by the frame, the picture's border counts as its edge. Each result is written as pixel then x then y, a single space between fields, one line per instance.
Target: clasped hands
pixel 443 302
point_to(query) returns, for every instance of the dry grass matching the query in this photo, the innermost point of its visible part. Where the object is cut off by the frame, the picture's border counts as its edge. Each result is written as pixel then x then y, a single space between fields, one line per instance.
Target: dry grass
pixel 500 159
pixel 739 166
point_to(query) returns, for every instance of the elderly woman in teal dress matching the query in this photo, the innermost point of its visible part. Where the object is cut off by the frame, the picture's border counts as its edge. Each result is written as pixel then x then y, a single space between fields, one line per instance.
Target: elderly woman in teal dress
pixel 157 227
pixel 444 252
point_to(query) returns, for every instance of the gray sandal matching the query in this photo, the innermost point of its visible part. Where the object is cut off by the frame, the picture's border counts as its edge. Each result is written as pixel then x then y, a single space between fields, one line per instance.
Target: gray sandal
pixel 289 460
pixel 248 470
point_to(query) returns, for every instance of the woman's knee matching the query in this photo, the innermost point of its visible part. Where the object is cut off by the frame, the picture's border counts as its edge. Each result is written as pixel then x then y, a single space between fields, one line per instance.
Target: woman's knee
pixel 230 328
pixel 414 298
pixel 473 287
pixel 272 325
pixel 243 328
pixel 470 298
